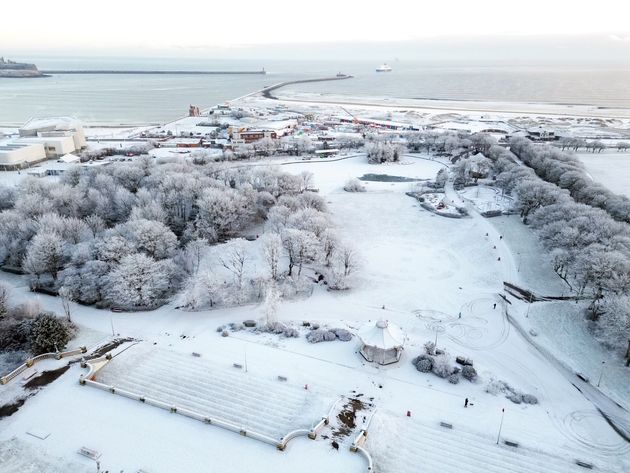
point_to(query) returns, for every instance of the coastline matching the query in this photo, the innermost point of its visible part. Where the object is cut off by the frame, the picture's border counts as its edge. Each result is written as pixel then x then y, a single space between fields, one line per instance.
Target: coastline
pixel 428 105
pixel 457 106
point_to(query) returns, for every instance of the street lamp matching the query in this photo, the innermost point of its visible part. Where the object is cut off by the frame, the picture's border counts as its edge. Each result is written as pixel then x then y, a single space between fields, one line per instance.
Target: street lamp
pixel 601 373
pixel 500 425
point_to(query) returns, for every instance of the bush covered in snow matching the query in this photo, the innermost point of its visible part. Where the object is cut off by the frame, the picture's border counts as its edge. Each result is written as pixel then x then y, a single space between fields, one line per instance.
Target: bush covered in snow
pixel 469 373
pixel 279 328
pixel 318 335
pixel 423 363
pixel 442 366
pixel 496 386
pixel 354 185
pixel 453 378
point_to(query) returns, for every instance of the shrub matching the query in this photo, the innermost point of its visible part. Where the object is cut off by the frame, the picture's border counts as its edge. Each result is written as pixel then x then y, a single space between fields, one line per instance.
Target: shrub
pixel 469 373
pixel 429 348
pixel 321 335
pixel 49 334
pixel 453 378
pixel 442 366
pixel 342 334
pixel 530 399
pixel 354 185
pixel 423 363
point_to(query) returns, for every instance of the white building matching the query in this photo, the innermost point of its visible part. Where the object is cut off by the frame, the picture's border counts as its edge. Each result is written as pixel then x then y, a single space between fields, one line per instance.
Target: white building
pixel 16 155
pixel 56 145
pixel 381 342
pixel 55 127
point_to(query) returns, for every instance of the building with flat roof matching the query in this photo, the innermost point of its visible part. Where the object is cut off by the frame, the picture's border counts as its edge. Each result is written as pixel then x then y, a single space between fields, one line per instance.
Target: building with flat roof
pixel 56 145
pixel 55 127
pixel 17 155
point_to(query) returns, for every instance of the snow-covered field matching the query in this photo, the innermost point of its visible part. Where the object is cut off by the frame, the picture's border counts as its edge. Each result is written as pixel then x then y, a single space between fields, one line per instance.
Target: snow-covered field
pixel 610 168
pixel 435 277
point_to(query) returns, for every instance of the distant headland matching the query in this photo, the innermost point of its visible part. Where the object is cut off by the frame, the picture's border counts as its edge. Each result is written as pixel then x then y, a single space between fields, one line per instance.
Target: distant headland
pixel 12 69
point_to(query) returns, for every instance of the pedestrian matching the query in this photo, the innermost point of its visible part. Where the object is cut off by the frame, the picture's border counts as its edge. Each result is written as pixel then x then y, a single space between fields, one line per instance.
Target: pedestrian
pixel 335 445
pixel 460 315
pixel 494 247
pixel 494 306
pixel 486 234
pixel 500 237
pixel 499 258
pixel 466 403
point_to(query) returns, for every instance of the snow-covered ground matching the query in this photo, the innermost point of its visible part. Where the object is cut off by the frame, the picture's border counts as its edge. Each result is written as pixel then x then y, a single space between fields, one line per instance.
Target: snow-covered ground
pixel 610 168
pixel 437 278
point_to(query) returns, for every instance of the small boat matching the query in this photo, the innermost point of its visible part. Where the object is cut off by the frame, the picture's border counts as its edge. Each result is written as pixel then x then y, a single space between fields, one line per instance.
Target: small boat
pixel 383 68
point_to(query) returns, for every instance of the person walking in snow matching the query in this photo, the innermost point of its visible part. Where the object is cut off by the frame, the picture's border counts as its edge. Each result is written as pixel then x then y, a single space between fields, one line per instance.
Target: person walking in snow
pixel 494 306
pixel 466 403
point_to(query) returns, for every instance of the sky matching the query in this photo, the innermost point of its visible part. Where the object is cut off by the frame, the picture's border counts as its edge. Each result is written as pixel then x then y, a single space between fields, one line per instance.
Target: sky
pixel 201 27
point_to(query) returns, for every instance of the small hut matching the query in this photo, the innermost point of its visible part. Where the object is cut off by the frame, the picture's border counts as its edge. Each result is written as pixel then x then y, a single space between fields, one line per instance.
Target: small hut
pixel 381 342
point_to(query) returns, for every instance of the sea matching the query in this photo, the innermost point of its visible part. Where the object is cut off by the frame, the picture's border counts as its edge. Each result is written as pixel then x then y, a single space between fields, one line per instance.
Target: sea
pixel 151 99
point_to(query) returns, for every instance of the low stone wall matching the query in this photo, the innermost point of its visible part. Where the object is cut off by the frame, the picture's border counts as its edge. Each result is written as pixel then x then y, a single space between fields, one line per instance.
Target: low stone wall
pixel 32 361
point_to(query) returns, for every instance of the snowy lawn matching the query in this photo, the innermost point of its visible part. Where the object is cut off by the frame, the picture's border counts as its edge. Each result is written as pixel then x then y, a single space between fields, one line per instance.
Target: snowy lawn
pixel 610 168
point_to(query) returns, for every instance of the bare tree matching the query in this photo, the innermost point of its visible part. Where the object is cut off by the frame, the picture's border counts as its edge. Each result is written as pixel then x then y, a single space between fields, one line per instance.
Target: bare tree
pixel 272 249
pixel 66 302
pixel 234 262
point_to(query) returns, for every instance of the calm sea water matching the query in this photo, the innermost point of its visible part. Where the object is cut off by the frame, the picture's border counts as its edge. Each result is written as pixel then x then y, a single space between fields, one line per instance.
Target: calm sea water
pixel 151 99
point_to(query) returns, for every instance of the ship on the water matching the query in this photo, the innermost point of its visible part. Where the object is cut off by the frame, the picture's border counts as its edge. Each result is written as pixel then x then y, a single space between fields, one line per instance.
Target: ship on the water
pixel 12 69
pixel 384 68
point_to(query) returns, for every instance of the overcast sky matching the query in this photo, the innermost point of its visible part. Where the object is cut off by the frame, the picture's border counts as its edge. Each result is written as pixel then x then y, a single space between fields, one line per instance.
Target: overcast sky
pixel 201 27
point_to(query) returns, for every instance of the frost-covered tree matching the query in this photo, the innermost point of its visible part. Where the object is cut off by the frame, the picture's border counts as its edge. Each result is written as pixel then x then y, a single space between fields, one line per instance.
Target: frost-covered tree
pixel 344 263
pixel 151 237
pixel 66 302
pixel 301 247
pixel 139 281
pixel 272 302
pixel 234 259
pixel 45 255
pixel 272 251
pixel 222 212
pixel 379 152
pixel 4 300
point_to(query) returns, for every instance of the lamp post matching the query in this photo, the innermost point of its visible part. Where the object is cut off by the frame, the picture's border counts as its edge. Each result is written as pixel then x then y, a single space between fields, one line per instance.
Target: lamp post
pixel 500 425
pixel 601 373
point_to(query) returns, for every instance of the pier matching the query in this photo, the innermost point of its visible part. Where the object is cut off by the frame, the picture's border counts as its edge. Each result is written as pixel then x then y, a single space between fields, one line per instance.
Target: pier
pixel 149 72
